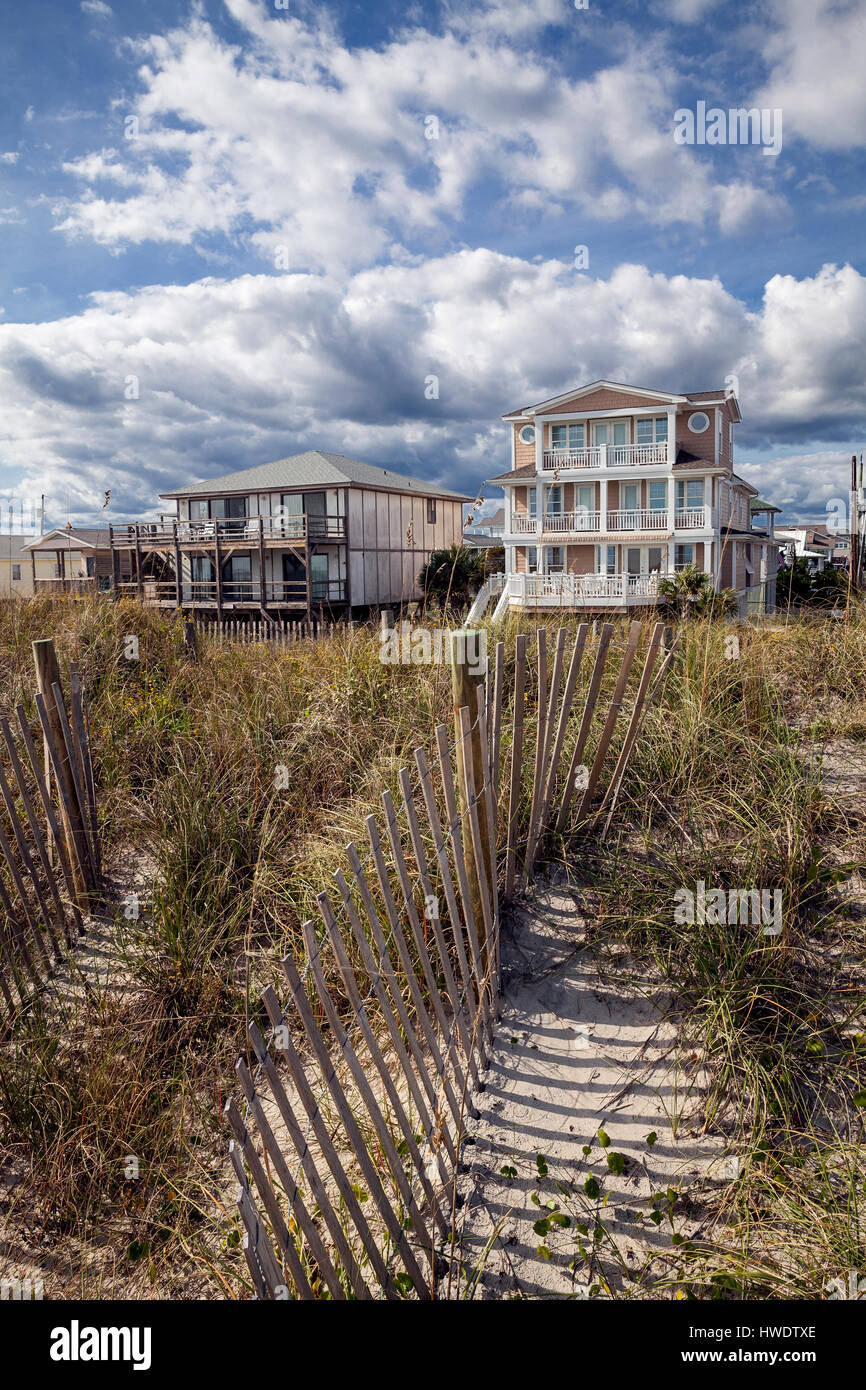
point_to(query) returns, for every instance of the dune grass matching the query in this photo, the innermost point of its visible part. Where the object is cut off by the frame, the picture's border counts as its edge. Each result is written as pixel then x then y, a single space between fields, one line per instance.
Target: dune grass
pixel 236 782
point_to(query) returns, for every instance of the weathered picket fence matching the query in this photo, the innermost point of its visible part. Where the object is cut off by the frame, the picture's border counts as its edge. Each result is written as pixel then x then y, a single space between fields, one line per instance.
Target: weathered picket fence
pixel 277 634
pixel 50 859
pixel 348 1131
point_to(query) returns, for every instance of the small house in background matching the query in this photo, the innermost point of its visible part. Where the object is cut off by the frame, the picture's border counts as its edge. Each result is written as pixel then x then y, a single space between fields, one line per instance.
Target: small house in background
pixel 814 544
pixel 313 532
pixel 70 559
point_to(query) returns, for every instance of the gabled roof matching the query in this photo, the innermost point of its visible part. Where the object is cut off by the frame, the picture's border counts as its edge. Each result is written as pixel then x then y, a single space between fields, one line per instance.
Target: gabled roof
pixel 314 468
pixel 757 504
pixel 716 397
pixel 77 538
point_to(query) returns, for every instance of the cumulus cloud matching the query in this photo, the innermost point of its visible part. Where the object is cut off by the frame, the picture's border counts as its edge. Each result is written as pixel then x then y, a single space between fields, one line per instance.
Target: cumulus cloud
pixel 814 75
pixel 230 373
pixel 344 155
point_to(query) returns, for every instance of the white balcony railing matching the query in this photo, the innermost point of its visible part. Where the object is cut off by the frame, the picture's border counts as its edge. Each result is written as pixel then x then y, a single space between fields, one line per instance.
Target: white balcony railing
pixel 693 519
pixel 573 590
pixel 638 519
pixel 608 456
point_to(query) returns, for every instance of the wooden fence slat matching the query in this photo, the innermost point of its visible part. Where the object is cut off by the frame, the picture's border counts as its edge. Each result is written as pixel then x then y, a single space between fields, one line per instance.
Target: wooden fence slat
pixel 562 725
pixel 420 944
pixel 390 1000
pixel 496 725
pixel 455 834
pixel 280 1230
pixel 27 860
pixel 75 839
pixel 442 951
pixel 588 711
pixel 78 790
pixel 516 763
pixel 487 954
pixel 359 1011
pixel 48 807
pixel 356 1139
pixel 399 939
pixel 371 1105
pixel 305 1222
pixel 317 1187
pixel 610 722
pixel 35 830
pixel 467 974
pixel 261 1246
pixel 317 1123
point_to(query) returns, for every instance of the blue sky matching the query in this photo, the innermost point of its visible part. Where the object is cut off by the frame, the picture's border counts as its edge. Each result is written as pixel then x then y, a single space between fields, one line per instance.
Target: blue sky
pixel 227 237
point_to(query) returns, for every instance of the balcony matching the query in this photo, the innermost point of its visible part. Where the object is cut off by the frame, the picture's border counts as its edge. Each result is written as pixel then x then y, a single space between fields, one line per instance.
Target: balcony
pixel 581 590
pixel 243 532
pixel 235 593
pixel 631 521
pixel 606 456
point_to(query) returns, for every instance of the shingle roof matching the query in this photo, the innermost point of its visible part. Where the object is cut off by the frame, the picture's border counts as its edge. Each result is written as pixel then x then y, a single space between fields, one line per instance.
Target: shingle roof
pixel 314 468
pixel 526 470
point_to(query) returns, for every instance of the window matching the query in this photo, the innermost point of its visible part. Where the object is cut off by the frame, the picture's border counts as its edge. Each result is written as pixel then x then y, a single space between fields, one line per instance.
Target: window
pixel 632 562
pixel 90 564
pixel 610 432
pixel 683 555
pixel 431 510
pixel 568 436
pixel 533 501
pixel 690 494
pixel 699 422
pixel 606 559
pixel 731 439
pixel 584 503
pixel 654 559
pixel 629 497
pixel 658 496
pixel 531 559
pixel 16 573
pixel 554 501
pixel 527 434
pixel 554 559
pixel 652 430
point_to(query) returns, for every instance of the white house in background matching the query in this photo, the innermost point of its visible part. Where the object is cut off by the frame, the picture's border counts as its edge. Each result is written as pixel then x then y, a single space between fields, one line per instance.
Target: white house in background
pixel 69 559
pixel 613 486
pixel 313 531
pixel 814 544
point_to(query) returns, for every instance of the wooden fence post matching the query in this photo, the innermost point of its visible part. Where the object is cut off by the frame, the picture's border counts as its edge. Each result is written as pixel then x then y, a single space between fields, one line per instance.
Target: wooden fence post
pixel 72 813
pixel 465 682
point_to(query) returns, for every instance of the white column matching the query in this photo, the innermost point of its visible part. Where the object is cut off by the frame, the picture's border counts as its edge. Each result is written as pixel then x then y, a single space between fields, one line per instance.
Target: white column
pixel 539 446
pixel 672 495
pixel 602 504
pixel 671 556
pixel 708 561
pixel 541 509
pixel 672 437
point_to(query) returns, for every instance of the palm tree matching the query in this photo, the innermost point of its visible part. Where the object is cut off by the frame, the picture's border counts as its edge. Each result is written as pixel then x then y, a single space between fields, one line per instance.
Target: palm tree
pixel 690 591
pixel 452 577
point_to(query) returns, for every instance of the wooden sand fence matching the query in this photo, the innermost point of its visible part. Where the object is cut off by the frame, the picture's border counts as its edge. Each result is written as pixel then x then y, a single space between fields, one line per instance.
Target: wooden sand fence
pixel 350 1117
pixel 50 861
pixel 277 634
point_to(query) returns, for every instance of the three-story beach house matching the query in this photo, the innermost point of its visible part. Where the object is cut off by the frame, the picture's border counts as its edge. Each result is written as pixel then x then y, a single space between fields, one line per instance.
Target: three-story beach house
pixel 614 486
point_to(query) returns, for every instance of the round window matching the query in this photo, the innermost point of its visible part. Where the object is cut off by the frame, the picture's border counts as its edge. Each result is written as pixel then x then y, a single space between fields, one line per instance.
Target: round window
pixel 699 422
pixel 527 434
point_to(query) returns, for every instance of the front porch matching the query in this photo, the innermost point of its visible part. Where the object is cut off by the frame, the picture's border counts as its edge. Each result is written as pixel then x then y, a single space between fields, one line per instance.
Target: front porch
pixel 603 591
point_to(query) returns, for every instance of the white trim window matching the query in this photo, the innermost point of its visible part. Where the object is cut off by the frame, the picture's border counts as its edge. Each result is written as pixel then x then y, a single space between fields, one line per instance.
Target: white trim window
pixel 683 555
pixel 527 434
pixel 690 494
pixel 553 505
pixel 16 574
pixel 531 559
pixel 567 438
pixel 605 563
pixel 610 432
pixel 658 496
pixel 532 501
pixel 652 429
pixel 553 558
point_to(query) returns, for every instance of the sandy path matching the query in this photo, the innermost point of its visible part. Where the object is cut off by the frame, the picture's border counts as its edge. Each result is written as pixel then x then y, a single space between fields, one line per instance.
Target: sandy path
pixel 575 1054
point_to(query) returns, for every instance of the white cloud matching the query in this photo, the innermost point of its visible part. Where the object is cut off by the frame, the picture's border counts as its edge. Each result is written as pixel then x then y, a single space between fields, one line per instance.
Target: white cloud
pixel 97 7
pixel 9 157
pixel 321 148
pixel 235 372
pixel 815 72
